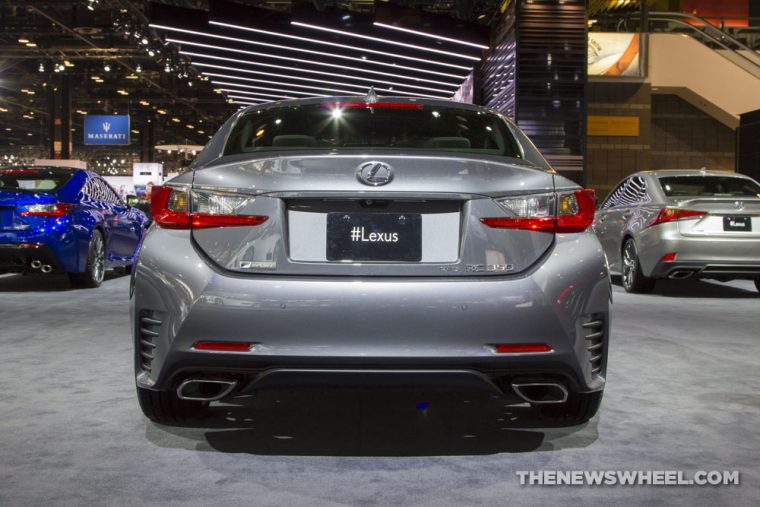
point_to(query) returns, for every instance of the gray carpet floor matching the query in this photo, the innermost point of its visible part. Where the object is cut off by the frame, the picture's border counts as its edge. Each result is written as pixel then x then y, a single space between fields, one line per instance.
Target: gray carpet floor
pixel 683 394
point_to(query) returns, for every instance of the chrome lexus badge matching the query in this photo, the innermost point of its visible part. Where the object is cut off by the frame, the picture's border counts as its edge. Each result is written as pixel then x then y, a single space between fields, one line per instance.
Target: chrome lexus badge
pixel 374 173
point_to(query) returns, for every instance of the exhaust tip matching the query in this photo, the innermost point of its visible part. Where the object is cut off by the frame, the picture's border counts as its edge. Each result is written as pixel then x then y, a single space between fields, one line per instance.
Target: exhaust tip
pixel 36 264
pixel 46 268
pixel 680 274
pixel 205 389
pixel 541 392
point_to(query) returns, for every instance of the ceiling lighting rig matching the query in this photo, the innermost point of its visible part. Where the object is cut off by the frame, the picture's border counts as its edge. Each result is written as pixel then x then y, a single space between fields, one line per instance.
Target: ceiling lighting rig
pixel 252 55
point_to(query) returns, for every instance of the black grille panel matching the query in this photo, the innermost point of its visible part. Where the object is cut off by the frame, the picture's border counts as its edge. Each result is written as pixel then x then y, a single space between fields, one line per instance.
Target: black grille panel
pixel 594 335
pixel 150 325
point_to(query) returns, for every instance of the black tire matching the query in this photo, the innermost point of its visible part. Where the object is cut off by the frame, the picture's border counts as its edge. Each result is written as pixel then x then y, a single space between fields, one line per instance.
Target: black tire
pixel 578 409
pixel 165 407
pixel 633 278
pixel 96 264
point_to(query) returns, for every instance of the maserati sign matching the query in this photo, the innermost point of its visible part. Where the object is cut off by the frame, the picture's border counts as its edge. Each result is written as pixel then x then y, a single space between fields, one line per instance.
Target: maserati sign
pixel 106 129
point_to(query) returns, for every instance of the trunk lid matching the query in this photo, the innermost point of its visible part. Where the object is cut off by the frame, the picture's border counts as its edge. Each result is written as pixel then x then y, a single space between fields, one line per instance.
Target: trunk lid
pixel 726 217
pixel 424 222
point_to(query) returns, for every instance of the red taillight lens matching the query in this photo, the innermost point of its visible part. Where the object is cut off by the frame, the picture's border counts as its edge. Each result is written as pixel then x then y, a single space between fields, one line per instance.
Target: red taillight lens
pixel 56 210
pixel 669 257
pixel 205 220
pixel 564 212
pixel 576 211
pixel 373 105
pixel 671 214
pixel 224 346
pixel 171 210
pixel 517 348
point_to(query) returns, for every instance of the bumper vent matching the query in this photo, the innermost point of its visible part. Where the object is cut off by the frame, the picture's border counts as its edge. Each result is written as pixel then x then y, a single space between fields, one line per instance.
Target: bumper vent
pixel 594 334
pixel 149 328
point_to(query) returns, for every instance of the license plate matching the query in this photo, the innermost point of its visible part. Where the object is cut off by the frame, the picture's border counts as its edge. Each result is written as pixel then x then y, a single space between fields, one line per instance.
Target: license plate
pixel 374 237
pixel 737 224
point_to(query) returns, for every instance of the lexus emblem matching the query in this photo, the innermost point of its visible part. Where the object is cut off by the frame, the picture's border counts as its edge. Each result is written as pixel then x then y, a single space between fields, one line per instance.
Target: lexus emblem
pixel 739 205
pixel 374 173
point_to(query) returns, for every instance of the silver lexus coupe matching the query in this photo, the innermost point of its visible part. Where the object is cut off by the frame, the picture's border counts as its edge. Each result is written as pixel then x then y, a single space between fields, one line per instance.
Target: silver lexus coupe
pixel 404 243
pixel 681 224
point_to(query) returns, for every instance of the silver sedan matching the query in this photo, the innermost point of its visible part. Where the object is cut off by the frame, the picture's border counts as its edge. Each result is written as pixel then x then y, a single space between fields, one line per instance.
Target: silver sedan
pixel 681 224
pixel 350 241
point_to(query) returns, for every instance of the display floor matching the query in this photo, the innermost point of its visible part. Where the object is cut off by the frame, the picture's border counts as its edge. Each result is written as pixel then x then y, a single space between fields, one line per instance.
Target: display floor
pixel 683 394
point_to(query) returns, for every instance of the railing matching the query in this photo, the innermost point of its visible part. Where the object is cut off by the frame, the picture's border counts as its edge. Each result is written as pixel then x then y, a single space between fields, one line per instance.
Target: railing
pixel 696 27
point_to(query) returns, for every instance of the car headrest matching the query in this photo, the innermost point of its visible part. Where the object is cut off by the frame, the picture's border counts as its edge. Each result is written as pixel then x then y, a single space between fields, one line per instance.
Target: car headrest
pixel 448 142
pixel 294 141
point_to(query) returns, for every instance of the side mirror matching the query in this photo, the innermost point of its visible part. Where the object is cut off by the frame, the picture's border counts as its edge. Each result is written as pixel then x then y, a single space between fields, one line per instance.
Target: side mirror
pixel 132 200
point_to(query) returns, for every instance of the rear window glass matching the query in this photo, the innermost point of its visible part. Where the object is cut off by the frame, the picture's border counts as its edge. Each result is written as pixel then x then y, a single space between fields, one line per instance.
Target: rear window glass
pixel 347 125
pixel 33 180
pixel 708 186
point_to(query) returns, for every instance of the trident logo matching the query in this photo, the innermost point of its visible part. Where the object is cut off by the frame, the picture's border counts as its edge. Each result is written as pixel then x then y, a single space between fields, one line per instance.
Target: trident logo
pixel 106 126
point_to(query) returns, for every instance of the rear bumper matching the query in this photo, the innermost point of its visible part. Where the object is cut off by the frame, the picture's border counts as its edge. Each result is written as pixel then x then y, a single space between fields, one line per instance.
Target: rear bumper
pixel 18 257
pixel 332 327
pixel 59 247
pixel 705 257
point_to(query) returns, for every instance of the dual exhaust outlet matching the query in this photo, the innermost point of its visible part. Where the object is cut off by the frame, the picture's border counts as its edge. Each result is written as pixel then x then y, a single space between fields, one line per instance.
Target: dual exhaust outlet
pixel 207 390
pixel 681 274
pixel 37 264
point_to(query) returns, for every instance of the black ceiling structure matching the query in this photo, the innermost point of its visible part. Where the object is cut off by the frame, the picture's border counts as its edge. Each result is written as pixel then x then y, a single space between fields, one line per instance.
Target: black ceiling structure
pixel 179 68
pixel 254 55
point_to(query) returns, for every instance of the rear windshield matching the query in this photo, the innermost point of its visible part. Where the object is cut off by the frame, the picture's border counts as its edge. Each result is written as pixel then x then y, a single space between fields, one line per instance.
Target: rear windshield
pixel 347 125
pixel 709 186
pixel 33 180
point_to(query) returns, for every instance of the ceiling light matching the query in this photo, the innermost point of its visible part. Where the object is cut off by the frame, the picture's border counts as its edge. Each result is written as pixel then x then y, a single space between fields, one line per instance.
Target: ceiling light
pixel 23 40
pixel 68 63
pixel 107 67
pixel 262 94
pixel 176 120
pixel 161 111
pixel 387 41
pixel 265 89
pixel 336 113
pixel 190 126
pixel 263 99
pixel 31 44
pixel 363 89
pixel 277 83
pixel 144 103
pixel 132 76
pixel 41 68
pixel 138 69
pixel 370 81
pixel 321 53
pixel 432 36
pixel 310 40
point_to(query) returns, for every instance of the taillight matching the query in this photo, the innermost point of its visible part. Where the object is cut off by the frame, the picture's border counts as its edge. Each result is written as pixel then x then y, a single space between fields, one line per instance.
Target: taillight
pixel 178 209
pixel 56 210
pixel 521 348
pixel 563 212
pixel 671 214
pixel 224 346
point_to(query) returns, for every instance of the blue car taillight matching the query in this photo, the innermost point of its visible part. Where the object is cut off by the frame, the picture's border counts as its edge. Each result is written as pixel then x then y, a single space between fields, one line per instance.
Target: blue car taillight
pixel 56 210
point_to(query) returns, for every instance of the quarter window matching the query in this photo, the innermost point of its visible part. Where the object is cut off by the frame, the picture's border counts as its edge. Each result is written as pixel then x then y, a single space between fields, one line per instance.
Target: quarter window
pixel 631 192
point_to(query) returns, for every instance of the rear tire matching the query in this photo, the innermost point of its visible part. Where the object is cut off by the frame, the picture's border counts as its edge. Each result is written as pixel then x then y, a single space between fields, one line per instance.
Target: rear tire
pixel 578 409
pixel 96 264
pixel 165 407
pixel 633 278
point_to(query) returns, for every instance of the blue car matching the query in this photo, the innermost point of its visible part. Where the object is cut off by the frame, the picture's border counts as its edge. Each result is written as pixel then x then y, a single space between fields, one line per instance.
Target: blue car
pixel 64 220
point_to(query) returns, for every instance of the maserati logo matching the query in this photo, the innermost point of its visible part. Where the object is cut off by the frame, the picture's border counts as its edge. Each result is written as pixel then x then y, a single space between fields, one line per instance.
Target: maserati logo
pixel 739 205
pixel 106 126
pixel 374 173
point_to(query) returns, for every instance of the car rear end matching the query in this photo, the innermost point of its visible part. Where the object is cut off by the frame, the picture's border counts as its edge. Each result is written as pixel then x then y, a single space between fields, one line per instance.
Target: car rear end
pixel 35 220
pixel 429 263
pixel 710 228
